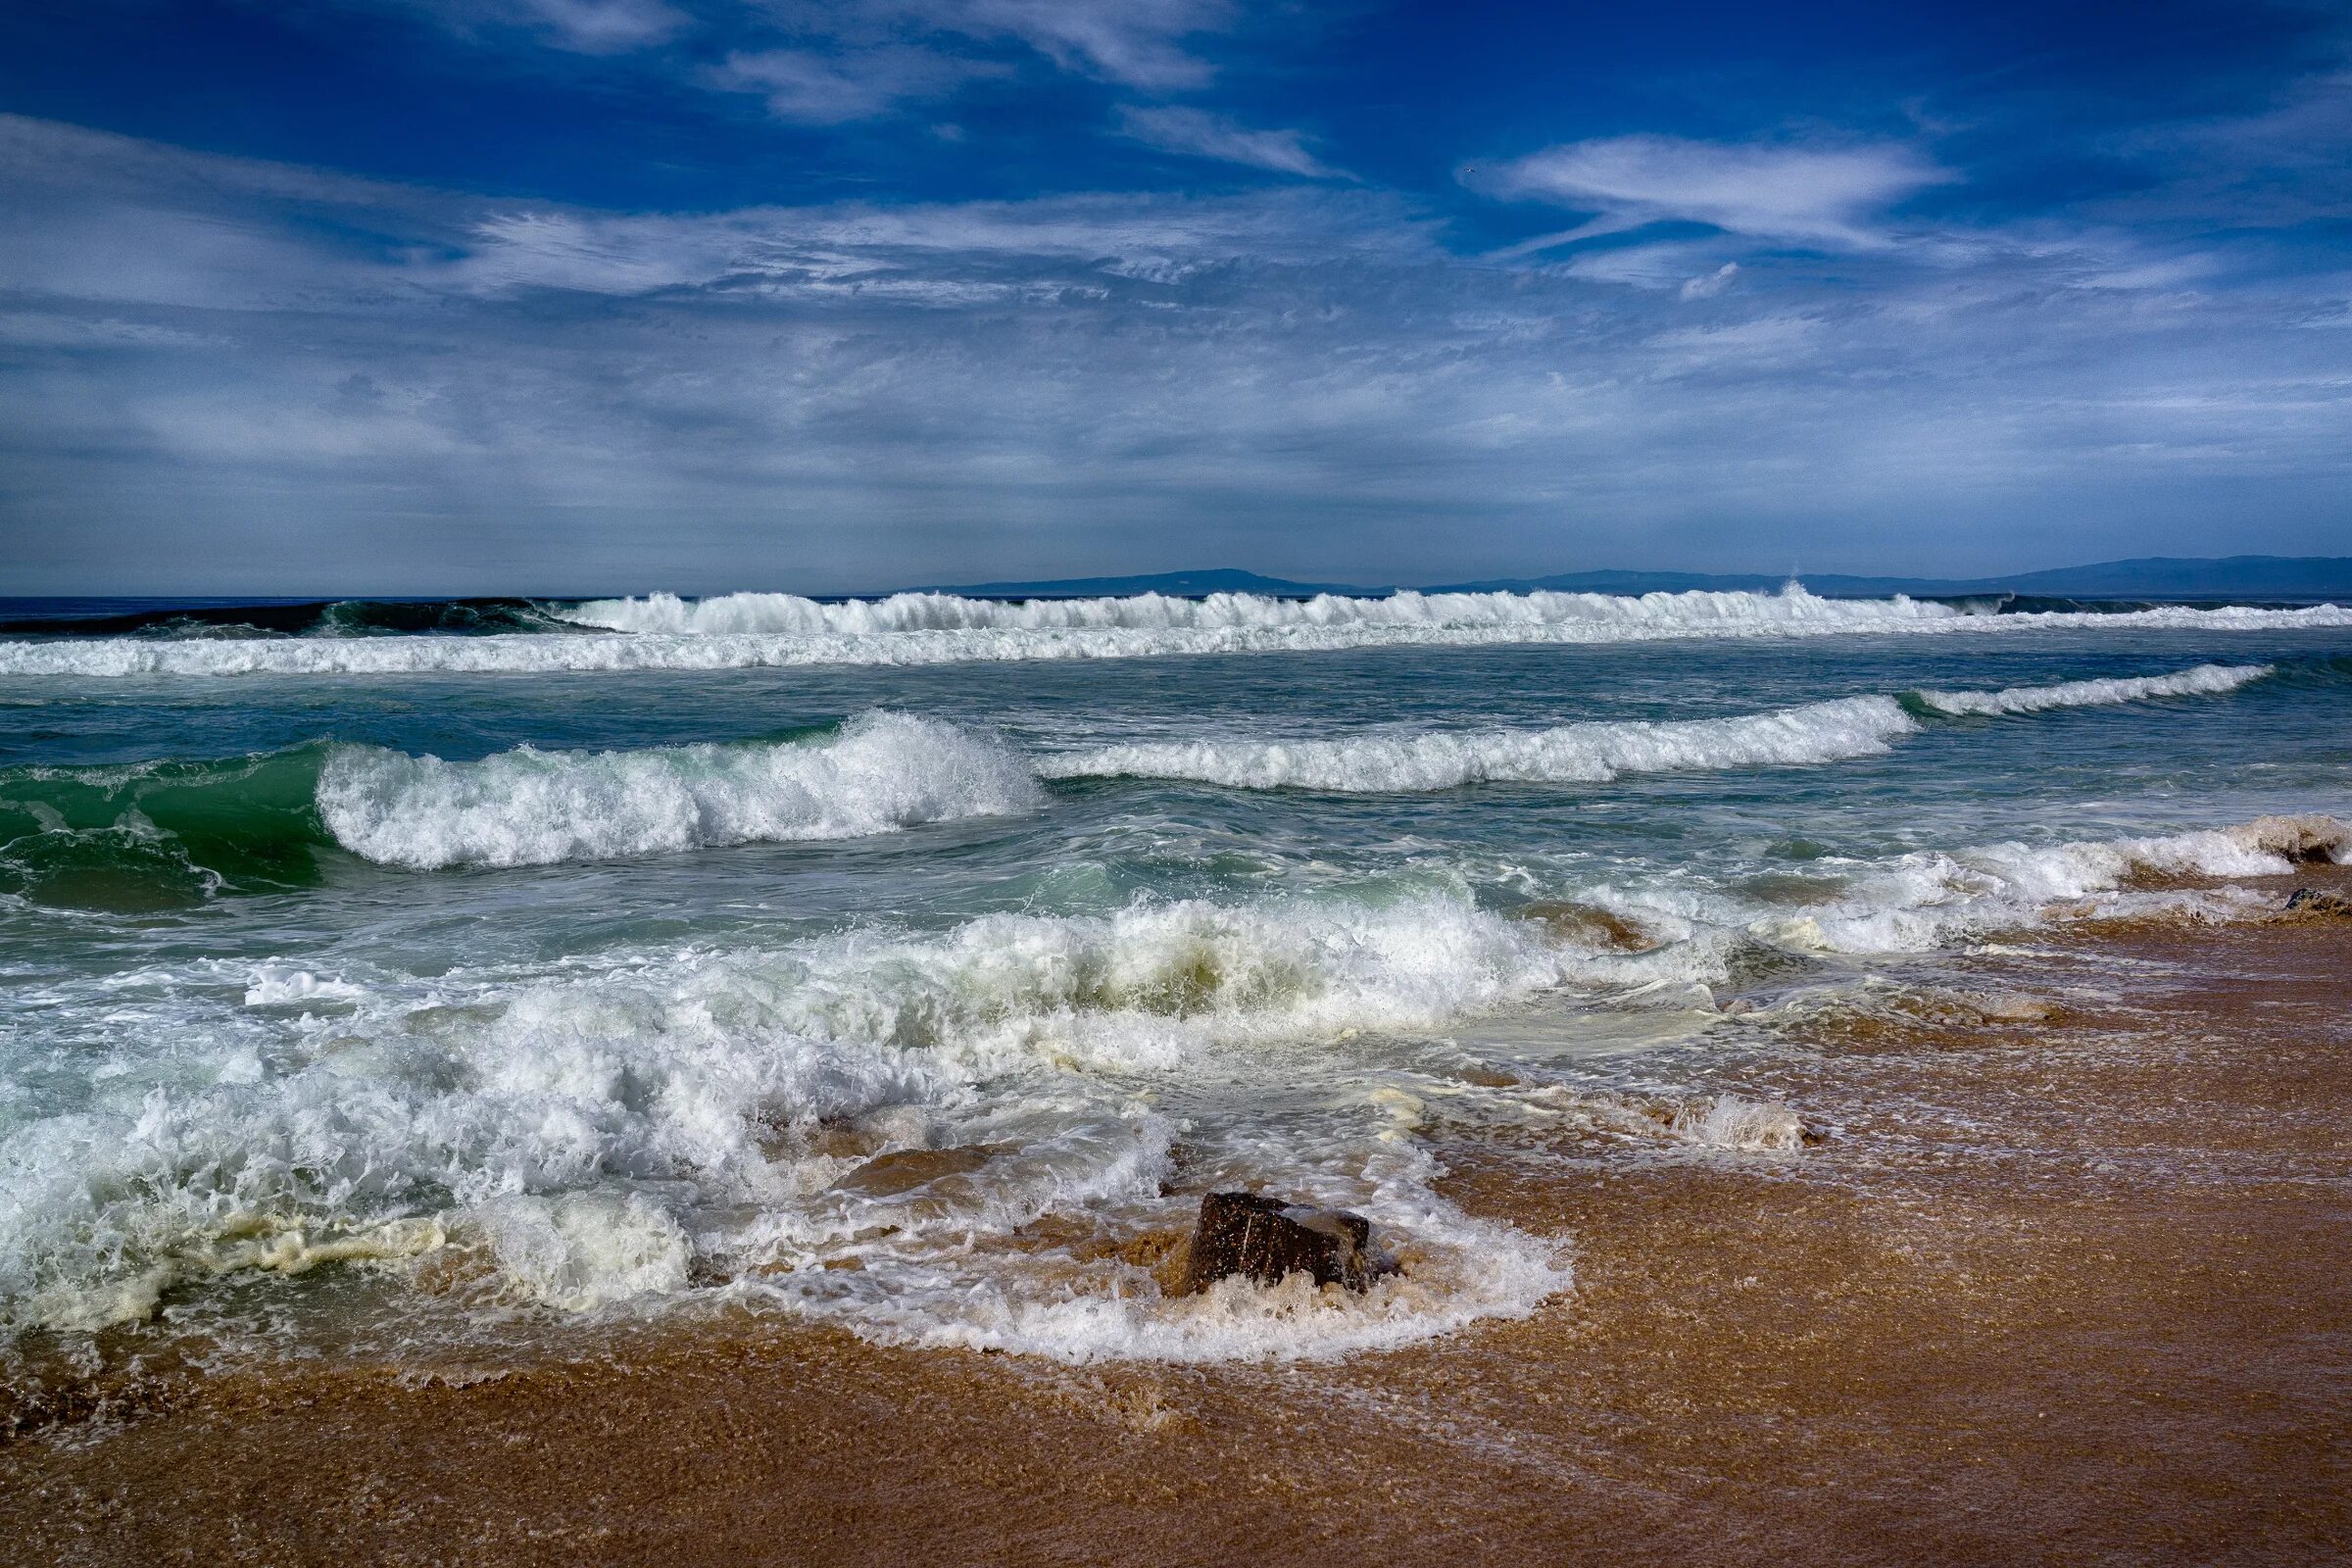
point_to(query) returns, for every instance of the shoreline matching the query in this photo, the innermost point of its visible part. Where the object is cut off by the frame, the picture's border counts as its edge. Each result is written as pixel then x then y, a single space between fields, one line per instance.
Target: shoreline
pixel 2064 1285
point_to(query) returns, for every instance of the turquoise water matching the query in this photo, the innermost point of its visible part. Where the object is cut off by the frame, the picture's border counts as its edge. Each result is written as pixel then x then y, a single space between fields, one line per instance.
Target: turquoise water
pixel 592 981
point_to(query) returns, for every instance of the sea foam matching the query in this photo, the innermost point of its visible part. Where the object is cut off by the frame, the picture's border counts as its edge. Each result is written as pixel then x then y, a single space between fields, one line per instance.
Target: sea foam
pixel 880 773
pixel 605 1131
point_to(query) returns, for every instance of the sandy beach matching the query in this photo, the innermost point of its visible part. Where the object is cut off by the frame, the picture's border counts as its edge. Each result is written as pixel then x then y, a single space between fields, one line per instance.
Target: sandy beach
pixel 2062 1282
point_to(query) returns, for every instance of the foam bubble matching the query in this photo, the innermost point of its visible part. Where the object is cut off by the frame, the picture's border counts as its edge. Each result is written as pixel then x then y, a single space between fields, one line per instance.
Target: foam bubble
pixel 530 807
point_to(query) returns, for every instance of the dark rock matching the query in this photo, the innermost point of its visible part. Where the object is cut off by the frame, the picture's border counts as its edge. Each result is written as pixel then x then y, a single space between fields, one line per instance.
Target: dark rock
pixel 2312 903
pixel 1264 1238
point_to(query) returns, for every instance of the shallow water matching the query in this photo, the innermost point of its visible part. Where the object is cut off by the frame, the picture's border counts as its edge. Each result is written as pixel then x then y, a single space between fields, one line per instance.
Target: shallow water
pixel 519 992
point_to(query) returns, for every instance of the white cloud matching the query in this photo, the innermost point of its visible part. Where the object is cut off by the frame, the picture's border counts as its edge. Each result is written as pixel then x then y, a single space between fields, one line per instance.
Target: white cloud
pixel 830 87
pixel 1202 134
pixel 1814 196
pixel 1709 284
pixel 599 27
pixel 583 26
pixel 840 62
pixel 822 395
pixel 1139 43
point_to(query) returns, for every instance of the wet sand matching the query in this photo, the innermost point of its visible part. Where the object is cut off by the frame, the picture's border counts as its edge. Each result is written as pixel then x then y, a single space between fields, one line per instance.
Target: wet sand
pixel 2066 1287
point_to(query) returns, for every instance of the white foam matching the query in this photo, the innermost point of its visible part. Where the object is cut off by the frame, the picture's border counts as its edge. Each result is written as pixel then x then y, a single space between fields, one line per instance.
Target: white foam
pixel 1598 752
pixel 277 984
pixel 2205 681
pixel 579 1250
pixel 530 807
pixel 738 614
pixel 1458 1271
pixel 933 629
pixel 1732 1121
pixel 595 1127
pixel 605 1129
pixel 1932 897
pixel 1589 752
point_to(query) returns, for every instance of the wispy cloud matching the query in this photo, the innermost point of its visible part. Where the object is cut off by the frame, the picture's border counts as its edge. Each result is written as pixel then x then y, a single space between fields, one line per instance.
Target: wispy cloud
pixel 1137 43
pixel 1789 194
pixel 849 60
pixel 583 26
pixel 808 394
pixel 1202 134
pixel 827 89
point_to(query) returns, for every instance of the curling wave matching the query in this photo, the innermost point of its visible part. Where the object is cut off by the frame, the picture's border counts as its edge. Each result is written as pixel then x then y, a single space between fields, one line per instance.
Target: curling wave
pixel 158 834
pixel 747 631
pixel 880 773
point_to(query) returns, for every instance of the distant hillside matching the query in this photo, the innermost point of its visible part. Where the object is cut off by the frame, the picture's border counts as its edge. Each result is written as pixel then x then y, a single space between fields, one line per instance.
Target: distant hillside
pixel 2173 577
pixel 2269 579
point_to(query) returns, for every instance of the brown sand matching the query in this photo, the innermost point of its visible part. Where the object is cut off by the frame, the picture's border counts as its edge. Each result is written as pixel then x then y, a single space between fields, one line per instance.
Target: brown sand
pixel 2059 1289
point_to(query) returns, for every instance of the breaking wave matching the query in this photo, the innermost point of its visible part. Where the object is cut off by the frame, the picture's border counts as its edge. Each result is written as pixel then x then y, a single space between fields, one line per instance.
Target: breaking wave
pixel 746 631
pixel 626 1129
pixel 2205 681
pixel 787 614
pixel 964 1136
pixel 158 834
pixel 1589 752
pixel 1596 753
pixel 880 773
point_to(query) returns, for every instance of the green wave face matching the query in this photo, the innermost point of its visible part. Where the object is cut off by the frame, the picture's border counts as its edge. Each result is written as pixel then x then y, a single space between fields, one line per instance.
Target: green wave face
pixel 159 835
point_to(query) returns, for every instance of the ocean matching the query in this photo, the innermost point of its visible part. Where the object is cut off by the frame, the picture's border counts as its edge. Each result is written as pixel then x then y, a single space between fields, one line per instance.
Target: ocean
pixel 420 979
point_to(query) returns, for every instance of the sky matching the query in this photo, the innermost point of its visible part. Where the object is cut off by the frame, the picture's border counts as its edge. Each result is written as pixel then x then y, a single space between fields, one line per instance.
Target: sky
pixel 555 296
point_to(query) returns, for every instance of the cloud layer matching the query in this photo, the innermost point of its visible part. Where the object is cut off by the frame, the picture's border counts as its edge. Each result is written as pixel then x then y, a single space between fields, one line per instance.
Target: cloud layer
pixel 1804 343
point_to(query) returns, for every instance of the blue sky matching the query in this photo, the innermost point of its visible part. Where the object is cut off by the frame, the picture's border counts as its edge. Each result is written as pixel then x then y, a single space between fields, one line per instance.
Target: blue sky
pixel 589 295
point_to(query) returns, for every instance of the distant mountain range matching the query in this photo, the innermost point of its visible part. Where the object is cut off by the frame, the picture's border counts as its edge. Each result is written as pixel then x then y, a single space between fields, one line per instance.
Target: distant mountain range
pixel 2267 578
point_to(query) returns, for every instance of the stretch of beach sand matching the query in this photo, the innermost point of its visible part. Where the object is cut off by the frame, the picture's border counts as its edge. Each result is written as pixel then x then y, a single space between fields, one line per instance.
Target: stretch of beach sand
pixel 2066 1285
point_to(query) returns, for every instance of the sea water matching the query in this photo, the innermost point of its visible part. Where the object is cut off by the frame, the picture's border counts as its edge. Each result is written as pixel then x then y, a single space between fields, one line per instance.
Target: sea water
pixel 914 964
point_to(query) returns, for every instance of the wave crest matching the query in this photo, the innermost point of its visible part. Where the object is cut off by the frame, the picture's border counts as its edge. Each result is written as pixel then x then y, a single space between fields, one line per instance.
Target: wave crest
pixel 2205 681
pixel 1589 752
pixel 880 773
pixel 777 630
pixel 789 613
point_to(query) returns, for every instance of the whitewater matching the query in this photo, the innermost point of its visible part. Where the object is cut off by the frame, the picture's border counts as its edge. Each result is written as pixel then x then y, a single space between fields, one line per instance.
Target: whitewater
pixel 913 965
pixel 783 631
